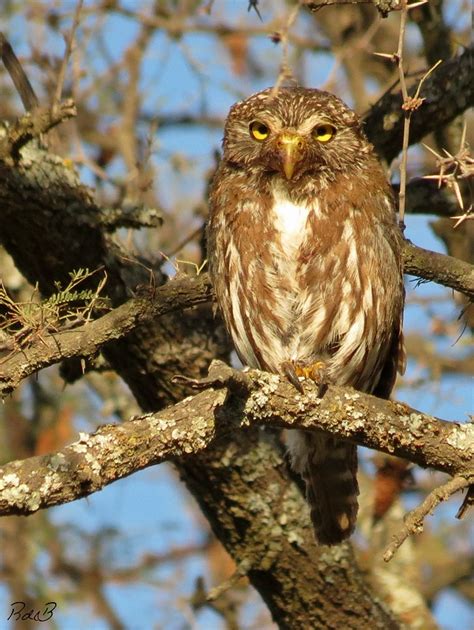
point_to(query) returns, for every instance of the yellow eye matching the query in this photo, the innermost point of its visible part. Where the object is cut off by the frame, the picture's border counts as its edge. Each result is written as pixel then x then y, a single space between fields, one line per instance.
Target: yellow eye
pixel 259 131
pixel 324 132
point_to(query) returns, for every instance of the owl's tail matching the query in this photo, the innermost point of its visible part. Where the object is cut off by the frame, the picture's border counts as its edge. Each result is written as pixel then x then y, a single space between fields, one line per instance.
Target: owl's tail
pixel 329 468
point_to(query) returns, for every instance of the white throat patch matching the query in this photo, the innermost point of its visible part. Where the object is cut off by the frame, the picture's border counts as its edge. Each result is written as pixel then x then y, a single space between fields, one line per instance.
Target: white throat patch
pixel 290 220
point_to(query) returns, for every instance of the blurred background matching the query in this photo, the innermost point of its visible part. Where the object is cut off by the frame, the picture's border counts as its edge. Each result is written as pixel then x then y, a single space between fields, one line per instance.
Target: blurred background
pixel 153 82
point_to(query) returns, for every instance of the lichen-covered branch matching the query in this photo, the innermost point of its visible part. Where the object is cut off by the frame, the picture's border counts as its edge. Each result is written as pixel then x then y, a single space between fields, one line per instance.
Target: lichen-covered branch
pixel 233 402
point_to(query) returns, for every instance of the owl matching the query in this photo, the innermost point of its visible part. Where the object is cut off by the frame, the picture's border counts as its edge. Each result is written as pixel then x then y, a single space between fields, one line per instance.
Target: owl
pixel 305 259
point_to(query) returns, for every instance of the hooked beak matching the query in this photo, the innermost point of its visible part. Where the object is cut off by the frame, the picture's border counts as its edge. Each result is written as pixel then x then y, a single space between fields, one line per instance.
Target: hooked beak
pixel 290 151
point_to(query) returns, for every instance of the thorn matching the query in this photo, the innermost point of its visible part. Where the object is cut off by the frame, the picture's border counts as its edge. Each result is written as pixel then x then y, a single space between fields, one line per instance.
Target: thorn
pixel 431 150
pixel 390 56
pixel 460 218
pixel 416 4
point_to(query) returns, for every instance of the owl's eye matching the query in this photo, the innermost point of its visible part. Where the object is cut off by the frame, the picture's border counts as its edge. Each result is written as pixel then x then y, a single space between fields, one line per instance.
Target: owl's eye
pixel 259 131
pixel 324 132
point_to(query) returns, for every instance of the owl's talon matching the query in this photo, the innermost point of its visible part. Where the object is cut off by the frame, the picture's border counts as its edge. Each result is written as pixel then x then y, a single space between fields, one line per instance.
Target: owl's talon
pixel 289 370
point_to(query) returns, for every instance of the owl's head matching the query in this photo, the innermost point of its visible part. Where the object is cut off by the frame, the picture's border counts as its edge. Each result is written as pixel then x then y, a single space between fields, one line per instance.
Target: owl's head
pixel 294 131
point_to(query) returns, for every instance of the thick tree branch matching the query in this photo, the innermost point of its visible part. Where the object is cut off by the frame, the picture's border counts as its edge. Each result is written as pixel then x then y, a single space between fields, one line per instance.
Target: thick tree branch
pixel 448 92
pixel 234 401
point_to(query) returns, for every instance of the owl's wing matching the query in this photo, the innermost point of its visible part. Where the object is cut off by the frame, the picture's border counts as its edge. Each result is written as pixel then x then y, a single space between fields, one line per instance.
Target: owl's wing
pixel 395 362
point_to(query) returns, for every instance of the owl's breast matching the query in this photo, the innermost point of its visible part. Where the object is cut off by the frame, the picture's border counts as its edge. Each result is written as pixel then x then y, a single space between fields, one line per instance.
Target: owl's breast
pixel 296 280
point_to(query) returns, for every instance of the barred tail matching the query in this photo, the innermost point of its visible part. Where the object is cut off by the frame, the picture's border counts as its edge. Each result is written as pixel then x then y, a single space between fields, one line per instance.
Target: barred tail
pixel 329 468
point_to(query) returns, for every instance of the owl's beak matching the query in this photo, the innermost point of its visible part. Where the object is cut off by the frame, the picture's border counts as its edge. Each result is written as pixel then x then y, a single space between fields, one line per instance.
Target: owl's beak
pixel 290 151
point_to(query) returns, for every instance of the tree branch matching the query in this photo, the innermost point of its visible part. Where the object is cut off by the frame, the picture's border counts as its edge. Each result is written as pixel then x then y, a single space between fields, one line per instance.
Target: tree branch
pixel 32 125
pixel 414 520
pixel 192 425
pixel 88 339
pixel 383 6
pixel 424 196
pixel 446 270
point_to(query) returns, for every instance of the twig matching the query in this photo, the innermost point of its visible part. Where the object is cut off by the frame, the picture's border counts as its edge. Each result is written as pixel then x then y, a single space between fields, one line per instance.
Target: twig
pixel 406 121
pixel 253 4
pixel 226 607
pixel 17 74
pixel 314 6
pixel 449 92
pixel 454 169
pixel 89 338
pixel 409 105
pixel 467 503
pixel 282 36
pixel 241 571
pixel 414 519
pixel 67 53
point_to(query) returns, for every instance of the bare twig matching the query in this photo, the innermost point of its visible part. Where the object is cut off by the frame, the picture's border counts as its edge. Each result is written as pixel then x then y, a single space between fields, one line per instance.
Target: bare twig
pixel 67 53
pixel 449 92
pixel 414 519
pixel 453 170
pixel 241 571
pixel 409 105
pixel 253 4
pixel 283 36
pixel 406 121
pixel 467 504
pixel 176 26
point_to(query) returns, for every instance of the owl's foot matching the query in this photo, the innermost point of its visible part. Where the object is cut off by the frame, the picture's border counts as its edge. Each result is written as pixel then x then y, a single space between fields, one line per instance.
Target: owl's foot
pixel 316 372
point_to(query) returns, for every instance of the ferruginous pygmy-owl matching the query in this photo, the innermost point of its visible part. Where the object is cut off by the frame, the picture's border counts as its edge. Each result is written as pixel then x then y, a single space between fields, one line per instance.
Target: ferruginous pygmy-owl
pixel 305 259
